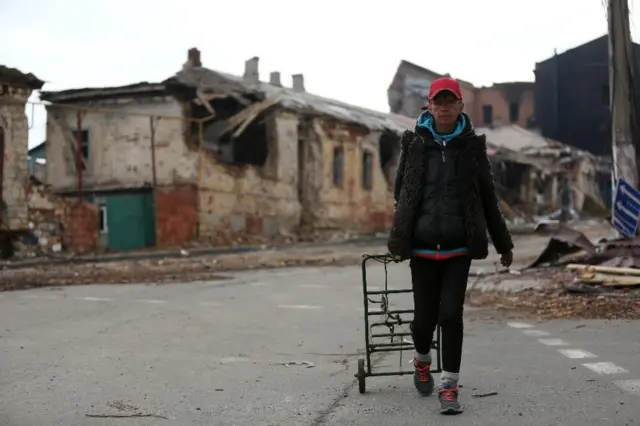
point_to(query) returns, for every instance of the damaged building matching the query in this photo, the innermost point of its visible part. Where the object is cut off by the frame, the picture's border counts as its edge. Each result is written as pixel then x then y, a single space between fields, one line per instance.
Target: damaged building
pixel 15 89
pixel 533 173
pixel 499 104
pixel 219 158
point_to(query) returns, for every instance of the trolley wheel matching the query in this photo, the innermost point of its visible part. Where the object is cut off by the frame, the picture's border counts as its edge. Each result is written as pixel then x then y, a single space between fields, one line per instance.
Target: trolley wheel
pixel 361 376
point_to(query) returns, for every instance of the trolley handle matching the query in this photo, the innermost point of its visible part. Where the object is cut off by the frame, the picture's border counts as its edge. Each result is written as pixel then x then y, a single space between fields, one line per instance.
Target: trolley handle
pixel 382 258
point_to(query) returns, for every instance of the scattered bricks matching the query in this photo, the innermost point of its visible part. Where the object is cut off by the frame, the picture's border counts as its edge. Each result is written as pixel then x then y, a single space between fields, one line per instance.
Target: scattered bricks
pixel 176 215
pixel 56 223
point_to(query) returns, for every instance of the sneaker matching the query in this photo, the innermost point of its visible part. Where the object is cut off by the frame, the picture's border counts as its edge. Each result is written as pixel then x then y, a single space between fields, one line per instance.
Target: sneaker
pixel 422 378
pixel 449 401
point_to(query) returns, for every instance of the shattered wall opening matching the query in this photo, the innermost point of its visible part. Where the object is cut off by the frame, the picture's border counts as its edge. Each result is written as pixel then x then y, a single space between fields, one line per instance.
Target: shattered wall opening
pixel 509 178
pixel 236 132
pixel 389 145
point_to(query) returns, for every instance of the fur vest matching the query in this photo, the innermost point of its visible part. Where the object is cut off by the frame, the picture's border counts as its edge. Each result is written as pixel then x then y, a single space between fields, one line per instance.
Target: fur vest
pixel 482 214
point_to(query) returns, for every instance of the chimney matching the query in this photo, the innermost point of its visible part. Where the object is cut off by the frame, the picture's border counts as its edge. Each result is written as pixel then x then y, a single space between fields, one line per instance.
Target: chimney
pixel 193 57
pixel 251 71
pixel 275 79
pixel 298 82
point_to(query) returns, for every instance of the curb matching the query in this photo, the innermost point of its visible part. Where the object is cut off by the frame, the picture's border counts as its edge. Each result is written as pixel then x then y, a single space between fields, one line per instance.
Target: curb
pixel 196 252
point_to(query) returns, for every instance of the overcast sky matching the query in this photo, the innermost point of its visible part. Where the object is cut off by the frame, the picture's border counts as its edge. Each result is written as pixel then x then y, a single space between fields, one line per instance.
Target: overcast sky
pixel 347 50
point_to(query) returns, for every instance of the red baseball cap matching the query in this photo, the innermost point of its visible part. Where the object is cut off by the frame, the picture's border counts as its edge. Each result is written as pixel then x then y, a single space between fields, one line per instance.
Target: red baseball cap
pixel 444 84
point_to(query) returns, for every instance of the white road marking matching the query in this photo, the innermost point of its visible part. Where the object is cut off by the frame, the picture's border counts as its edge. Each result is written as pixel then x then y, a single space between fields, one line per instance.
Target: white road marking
pixel 535 333
pixel 96 299
pixel 313 286
pixel 211 304
pixel 152 301
pixel 233 359
pixel 631 386
pixel 605 368
pixel 300 307
pixel 260 284
pixel 576 353
pixel 553 342
pixel 519 325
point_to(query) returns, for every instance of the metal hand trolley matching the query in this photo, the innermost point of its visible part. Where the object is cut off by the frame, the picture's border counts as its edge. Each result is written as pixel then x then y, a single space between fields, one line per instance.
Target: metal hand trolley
pixel 391 318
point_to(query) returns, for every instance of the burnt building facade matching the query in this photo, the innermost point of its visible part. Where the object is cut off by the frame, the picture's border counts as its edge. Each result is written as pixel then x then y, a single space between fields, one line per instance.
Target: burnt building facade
pixel 499 104
pixel 571 96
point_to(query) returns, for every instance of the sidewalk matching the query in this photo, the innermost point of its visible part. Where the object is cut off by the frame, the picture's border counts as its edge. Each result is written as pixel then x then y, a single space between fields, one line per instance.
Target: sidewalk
pixel 175 253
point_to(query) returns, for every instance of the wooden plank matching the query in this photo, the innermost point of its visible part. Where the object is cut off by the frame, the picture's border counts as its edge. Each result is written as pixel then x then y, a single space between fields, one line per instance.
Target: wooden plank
pixel 604 269
pixel 612 280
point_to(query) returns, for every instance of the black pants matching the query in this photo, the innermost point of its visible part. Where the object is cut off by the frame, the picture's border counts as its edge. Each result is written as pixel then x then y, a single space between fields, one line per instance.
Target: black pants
pixel 439 289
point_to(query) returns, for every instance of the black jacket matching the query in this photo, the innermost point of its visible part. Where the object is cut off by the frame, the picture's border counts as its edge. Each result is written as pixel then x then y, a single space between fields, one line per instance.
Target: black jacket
pixel 445 197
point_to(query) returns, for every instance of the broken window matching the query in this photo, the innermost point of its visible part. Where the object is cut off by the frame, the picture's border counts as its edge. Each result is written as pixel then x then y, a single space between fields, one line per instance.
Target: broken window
pixel 338 166
pixel 367 170
pixel 389 148
pixel 514 112
pixel 84 141
pixel 237 133
pixel 487 114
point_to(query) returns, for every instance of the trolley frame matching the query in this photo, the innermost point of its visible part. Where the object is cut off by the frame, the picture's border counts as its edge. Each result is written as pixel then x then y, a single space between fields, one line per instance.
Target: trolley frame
pixel 392 317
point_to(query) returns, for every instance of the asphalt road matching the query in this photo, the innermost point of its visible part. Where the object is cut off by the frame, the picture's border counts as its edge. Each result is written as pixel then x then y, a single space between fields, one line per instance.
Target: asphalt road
pixel 279 348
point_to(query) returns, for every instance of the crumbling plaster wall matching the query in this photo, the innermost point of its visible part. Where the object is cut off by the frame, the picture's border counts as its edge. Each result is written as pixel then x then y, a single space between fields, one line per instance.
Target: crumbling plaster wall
pixel 351 206
pixel 120 154
pixel 251 200
pixel 13 120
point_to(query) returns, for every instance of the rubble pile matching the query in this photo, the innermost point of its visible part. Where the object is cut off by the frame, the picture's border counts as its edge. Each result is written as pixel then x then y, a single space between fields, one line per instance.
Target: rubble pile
pixel 44 215
pixel 588 280
pixel 556 303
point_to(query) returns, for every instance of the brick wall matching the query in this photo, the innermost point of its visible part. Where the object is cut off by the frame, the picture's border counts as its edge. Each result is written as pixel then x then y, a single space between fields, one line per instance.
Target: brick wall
pixel 176 215
pixel 499 99
pixel 81 225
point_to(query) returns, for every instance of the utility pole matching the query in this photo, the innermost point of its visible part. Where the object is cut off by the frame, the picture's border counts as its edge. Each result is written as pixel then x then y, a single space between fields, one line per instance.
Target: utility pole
pixel 621 92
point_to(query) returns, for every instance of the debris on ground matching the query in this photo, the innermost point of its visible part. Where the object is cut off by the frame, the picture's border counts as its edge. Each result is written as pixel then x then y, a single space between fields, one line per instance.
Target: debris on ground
pixel 124 416
pixel 484 395
pixel 583 280
pixel 564 245
pixel 556 303
pixel 124 410
pixel 176 269
pixel 609 276
pixel 307 364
